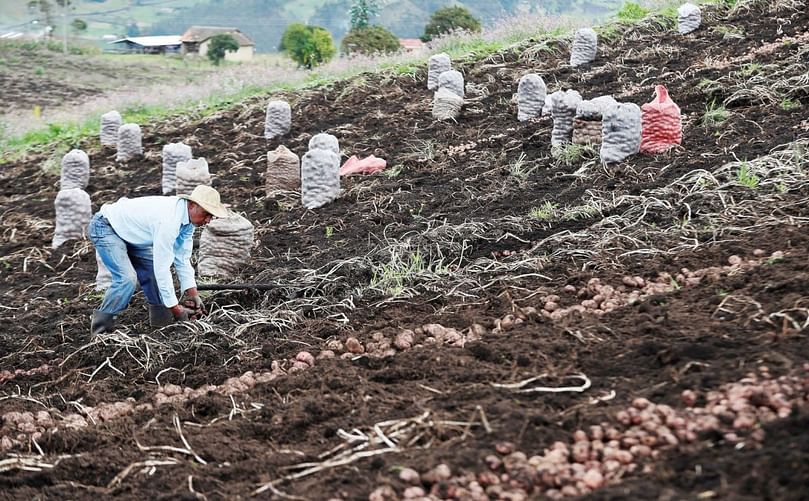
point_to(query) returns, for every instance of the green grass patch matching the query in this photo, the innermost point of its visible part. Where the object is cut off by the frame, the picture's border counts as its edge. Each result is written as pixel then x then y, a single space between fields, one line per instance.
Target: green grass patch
pixel 632 12
pixel 715 115
pixel 72 135
pixel 545 212
pixel 788 104
pixel 746 177
pixel 570 154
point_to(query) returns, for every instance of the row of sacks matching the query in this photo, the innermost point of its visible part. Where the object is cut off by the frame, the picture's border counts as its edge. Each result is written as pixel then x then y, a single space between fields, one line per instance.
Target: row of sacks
pixel 225 242
pixel 449 97
pixel 126 138
pixel 585 42
pixel 448 85
pixel 622 129
pixel 181 171
pixel 316 174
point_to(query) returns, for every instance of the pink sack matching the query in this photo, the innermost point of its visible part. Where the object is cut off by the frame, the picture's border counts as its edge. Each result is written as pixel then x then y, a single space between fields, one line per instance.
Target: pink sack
pixel 661 124
pixel 368 165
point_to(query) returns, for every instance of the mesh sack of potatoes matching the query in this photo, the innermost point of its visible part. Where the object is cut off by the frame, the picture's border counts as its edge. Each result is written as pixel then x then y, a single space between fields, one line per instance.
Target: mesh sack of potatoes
pixel 73 212
pixel 320 177
pixel 283 171
pixel 278 119
pixel 446 105
pixel 173 154
pixel 587 125
pixel 689 17
pixel 110 123
pixel 564 111
pixel 547 108
pixel 620 132
pixel 324 141
pixel 452 80
pixel 585 46
pixel 130 142
pixel 586 131
pixel 661 125
pixel 75 170
pixel 191 174
pixel 436 65
pixel 224 246
pixel 531 93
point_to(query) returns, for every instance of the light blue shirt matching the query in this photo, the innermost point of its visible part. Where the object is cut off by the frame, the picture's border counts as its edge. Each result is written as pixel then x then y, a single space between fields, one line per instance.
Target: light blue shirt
pixel 160 223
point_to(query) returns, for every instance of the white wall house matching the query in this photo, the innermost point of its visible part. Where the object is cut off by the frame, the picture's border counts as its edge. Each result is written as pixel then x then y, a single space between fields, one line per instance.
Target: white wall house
pixel 197 39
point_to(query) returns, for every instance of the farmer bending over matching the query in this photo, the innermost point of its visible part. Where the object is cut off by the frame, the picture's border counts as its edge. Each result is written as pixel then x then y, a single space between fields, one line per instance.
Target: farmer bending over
pixel 138 240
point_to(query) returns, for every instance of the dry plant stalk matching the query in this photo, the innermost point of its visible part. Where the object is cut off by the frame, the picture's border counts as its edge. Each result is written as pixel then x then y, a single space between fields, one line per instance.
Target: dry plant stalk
pixel 381 438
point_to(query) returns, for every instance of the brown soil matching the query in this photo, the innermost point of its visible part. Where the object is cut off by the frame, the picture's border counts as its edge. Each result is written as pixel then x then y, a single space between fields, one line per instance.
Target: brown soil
pixel 32 75
pixel 466 206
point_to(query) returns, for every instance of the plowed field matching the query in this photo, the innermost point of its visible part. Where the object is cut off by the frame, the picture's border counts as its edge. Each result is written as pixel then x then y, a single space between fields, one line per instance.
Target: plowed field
pixel 656 309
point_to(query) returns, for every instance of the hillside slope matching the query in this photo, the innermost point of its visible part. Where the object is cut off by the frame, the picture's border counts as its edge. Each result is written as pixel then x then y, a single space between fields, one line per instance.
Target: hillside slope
pixel 667 293
pixel 265 20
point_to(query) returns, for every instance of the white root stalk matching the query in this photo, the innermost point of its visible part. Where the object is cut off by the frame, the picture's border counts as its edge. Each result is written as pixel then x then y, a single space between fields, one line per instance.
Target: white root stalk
pixel 519 387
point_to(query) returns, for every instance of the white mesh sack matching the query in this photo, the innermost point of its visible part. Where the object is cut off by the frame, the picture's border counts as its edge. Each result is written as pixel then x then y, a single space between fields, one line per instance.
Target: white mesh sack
pixel 689 17
pixel 593 109
pixel 191 174
pixel 564 111
pixel 436 65
pixel 73 212
pixel 452 80
pixel 324 141
pixel 225 246
pixel 130 142
pixel 531 93
pixel 585 46
pixel 278 119
pixel 283 170
pixel 547 108
pixel 620 131
pixel 446 105
pixel 110 123
pixel 173 153
pixel 320 178
pixel 103 276
pixel 75 170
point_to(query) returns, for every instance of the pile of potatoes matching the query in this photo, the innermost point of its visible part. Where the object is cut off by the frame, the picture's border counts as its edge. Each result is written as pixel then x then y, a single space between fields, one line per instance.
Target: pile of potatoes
pixel 603 454
pixel 597 298
pixel 6 375
pixel 16 428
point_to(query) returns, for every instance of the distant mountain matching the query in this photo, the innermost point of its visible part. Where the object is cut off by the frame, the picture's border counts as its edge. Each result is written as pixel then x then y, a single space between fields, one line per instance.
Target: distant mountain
pixel 265 20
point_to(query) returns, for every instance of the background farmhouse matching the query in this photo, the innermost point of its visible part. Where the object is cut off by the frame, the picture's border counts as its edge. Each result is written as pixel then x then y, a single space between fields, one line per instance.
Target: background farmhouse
pixel 197 38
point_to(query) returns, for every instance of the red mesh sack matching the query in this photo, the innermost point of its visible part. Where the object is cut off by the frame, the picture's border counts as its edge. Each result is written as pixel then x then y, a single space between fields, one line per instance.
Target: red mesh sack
pixel 661 124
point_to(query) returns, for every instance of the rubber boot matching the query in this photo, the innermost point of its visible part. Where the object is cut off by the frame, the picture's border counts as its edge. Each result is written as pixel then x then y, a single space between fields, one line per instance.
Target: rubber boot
pixel 102 322
pixel 160 316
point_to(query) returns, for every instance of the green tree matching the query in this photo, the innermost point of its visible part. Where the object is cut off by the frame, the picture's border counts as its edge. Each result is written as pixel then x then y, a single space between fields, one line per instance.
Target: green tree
pixel 449 19
pixel 308 45
pixel 361 12
pixel 78 25
pixel 370 40
pixel 219 46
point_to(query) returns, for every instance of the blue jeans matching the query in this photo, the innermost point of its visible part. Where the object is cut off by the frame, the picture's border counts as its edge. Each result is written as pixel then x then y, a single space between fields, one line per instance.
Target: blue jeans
pixel 128 265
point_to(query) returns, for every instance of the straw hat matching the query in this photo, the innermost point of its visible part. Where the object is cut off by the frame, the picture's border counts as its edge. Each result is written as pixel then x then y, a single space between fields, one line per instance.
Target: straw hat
pixel 207 198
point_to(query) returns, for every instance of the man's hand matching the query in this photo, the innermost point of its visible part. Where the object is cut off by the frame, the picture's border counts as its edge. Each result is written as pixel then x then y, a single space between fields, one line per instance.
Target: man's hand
pixel 194 302
pixel 181 313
